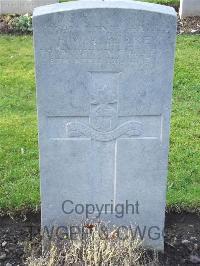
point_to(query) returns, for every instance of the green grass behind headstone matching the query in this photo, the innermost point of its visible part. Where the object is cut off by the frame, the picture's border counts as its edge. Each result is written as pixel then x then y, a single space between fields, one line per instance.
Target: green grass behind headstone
pixel 19 174
pixel 19 184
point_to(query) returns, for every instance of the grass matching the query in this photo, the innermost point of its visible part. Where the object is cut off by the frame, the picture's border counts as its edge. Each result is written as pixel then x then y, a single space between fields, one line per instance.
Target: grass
pixel 19 175
pixel 163 2
pixel 19 184
pixel 97 247
pixel 184 170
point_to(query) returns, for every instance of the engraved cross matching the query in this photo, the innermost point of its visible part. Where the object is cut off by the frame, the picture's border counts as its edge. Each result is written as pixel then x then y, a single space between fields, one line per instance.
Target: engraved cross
pixel 104 128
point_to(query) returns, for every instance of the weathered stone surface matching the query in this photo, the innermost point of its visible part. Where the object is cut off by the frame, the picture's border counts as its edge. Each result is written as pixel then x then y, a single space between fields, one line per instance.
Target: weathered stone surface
pixel 22 6
pixel 189 8
pixel 104 83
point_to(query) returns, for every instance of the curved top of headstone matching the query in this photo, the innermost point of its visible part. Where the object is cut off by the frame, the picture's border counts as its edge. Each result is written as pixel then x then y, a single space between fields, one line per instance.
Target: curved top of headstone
pixel 123 4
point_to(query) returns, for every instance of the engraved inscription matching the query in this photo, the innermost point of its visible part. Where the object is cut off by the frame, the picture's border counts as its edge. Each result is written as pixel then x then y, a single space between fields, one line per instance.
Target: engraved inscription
pixel 101 43
pixel 106 39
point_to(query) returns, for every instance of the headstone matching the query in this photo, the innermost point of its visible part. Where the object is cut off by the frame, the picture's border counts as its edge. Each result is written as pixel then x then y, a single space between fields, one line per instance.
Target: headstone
pixel 104 73
pixel 189 8
pixel 22 6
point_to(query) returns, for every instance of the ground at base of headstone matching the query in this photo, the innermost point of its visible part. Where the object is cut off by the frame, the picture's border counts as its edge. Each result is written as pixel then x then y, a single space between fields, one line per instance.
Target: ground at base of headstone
pixel 189 25
pixel 16 24
pixel 19 25
pixel 182 240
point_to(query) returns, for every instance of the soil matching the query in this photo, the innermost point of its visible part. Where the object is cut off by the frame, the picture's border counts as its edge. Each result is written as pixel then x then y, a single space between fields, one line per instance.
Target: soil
pixel 189 25
pixel 182 240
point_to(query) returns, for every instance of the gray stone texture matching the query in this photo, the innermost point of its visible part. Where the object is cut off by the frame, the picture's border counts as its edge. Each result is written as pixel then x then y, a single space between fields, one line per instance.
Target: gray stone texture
pixel 104 75
pixel 189 8
pixel 22 6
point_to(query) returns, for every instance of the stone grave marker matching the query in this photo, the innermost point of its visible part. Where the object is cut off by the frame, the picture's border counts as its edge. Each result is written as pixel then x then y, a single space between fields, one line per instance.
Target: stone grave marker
pixel 104 72
pixel 22 6
pixel 189 8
